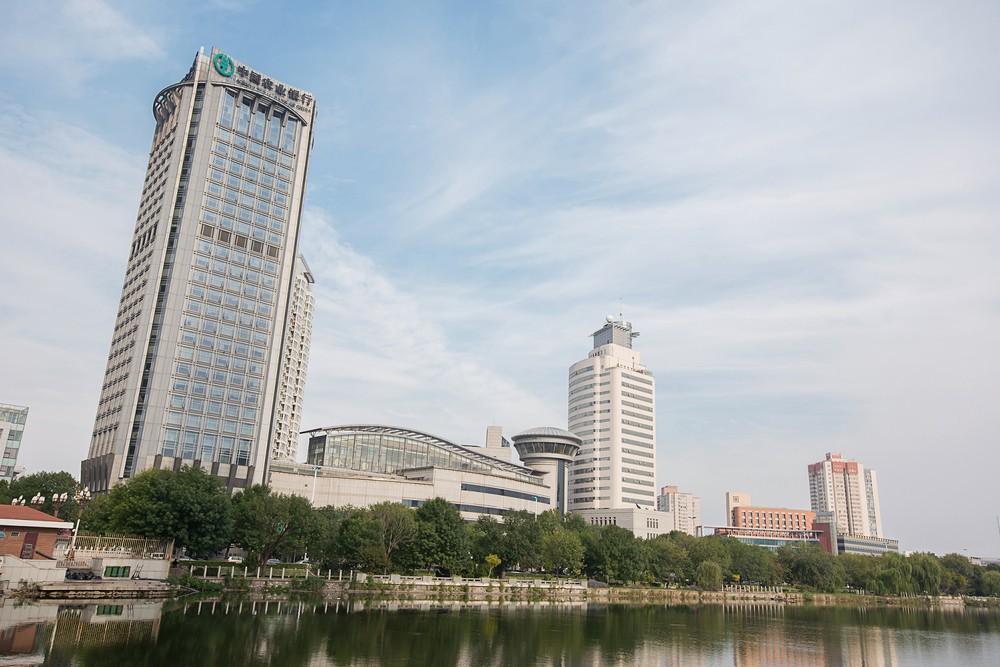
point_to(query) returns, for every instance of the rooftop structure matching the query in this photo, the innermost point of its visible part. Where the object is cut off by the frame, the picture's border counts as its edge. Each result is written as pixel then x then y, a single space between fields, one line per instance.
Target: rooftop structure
pixel 548 450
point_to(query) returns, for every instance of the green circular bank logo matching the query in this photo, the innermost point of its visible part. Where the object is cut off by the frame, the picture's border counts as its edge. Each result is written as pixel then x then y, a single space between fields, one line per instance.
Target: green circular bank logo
pixel 223 64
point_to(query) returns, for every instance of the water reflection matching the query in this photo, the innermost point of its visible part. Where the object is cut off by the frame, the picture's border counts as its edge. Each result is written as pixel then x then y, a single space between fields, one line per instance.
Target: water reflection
pixel 335 633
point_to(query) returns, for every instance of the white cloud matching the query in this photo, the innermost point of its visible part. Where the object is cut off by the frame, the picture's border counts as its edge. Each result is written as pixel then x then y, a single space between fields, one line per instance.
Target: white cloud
pixel 70 39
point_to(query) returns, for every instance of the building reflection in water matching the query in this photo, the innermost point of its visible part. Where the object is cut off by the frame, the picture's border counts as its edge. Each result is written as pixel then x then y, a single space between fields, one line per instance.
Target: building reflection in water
pixel 376 632
pixel 29 632
pixel 764 635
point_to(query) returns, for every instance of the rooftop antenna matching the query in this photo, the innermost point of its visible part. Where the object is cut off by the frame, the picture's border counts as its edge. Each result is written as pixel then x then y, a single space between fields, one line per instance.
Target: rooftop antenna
pixel 620 316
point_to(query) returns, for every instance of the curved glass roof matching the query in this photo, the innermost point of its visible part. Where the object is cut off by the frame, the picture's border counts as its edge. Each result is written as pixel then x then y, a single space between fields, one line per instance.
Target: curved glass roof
pixel 389 449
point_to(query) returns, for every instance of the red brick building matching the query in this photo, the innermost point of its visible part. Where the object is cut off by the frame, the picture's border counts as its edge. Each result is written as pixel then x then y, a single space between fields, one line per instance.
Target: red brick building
pixel 29 534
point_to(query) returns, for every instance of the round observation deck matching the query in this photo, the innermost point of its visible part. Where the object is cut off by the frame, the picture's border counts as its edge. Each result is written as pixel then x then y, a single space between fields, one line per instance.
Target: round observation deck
pixel 546 442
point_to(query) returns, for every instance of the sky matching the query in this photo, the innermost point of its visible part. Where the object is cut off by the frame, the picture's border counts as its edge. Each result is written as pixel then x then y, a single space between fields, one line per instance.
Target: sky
pixel 795 204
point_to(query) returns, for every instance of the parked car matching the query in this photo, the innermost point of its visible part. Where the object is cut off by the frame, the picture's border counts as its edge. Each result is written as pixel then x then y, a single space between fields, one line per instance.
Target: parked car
pixel 273 561
pixel 235 559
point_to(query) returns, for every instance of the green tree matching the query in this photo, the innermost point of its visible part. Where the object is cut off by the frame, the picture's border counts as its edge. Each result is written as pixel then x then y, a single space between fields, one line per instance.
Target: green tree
pixel 957 575
pixel 376 538
pixel 485 537
pixel 521 540
pixel 709 575
pixel 925 573
pixel 47 484
pixel 562 552
pixel 491 560
pixel 441 536
pixel 753 564
pixel 616 555
pixel 861 572
pixel 809 565
pixel 668 560
pixel 396 526
pixel 714 548
pixel 359 544
pixel 188 506
pixel 269 524
pixel 991 584
pixel 894 574
pixel 325 545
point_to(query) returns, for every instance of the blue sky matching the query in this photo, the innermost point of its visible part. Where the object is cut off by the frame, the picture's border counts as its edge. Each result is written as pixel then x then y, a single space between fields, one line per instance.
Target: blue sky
pixel 795 203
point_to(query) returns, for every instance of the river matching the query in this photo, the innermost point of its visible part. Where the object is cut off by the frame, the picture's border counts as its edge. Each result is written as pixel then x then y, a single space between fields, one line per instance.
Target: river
pixel 334 633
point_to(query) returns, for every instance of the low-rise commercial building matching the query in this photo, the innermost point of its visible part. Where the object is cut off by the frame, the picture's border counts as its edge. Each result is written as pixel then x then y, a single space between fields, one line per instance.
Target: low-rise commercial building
pixel 365 464
pixel 768 538
pixel 835 542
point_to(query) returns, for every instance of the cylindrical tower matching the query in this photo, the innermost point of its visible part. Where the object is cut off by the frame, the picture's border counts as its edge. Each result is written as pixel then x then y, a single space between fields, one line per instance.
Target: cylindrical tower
pixel 550 450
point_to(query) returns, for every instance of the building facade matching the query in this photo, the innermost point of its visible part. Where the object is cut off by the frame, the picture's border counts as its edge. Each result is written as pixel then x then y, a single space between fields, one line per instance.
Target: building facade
pixel 612 408
pixel 194 363
pixel 685 508
pixel 846 491
pixel 294 364
pixel 644 523
pixel 12 420
pixel 838 543
pixel 365 464
pixel 768 538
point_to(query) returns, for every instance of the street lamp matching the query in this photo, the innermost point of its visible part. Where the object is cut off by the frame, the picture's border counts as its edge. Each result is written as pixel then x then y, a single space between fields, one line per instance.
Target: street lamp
pixel 82 497
pixel 312 496
pixel 58 500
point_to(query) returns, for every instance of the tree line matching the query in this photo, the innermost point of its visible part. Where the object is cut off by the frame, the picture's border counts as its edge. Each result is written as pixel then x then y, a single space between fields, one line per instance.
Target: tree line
pixel 194 509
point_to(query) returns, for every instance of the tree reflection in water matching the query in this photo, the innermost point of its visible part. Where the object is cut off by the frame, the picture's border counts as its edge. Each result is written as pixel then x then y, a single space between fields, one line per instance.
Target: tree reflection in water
pixel 315 634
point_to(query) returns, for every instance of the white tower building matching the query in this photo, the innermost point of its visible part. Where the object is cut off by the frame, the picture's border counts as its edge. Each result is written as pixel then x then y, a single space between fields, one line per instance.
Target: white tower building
pixel 294 363
pixel 612 408
pixel 846 491
pixel 193 368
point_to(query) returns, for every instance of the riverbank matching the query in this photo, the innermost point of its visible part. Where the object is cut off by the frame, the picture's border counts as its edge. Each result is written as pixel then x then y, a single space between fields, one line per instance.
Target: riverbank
pixel 479 590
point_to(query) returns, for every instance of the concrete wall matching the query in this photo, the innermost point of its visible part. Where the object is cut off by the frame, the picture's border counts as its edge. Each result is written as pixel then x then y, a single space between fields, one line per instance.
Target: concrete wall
pixel 14 571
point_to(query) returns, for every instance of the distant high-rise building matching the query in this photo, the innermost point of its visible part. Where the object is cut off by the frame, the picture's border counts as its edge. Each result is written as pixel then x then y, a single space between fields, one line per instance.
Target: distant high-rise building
pixel 195 359
pixel 685 507
pixel 12 419
pixel 294 363
pixel 735 499
pixel 847 493
pixel 612 408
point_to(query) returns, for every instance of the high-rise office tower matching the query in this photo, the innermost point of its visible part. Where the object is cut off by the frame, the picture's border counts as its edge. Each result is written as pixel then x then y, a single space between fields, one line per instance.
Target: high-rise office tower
pixel 847 493
pixel 294 363
pixel 12 419
pixel 612 408
pixel 194 365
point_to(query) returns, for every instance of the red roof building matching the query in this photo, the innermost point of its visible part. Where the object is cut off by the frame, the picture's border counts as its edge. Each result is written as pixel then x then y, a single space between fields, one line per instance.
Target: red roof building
pixel 27 533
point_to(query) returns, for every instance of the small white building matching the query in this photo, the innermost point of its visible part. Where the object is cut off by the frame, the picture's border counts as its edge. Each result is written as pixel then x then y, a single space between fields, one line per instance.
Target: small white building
pixel 644 523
